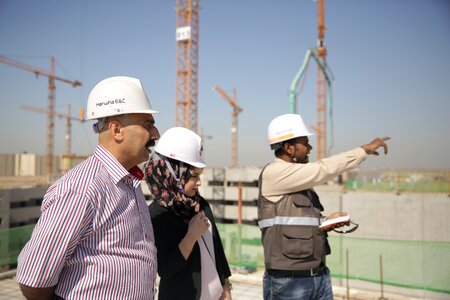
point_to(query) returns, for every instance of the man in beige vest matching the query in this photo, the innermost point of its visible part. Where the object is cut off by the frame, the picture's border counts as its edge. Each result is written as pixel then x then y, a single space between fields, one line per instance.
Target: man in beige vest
pixel 289 211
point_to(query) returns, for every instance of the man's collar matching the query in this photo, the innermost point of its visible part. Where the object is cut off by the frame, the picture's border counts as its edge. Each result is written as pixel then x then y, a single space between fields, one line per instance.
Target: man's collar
pixel 277 159
pixel 137 172
pixel 113 167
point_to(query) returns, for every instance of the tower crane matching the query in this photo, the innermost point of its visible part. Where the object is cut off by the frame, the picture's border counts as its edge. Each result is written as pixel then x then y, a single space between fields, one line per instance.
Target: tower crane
pixel 323 87
pixel 234 122
pixel 51 100
pixel 321 127
pixel 68 117
pixel 68 156
pixel 187 34
pixel 204 136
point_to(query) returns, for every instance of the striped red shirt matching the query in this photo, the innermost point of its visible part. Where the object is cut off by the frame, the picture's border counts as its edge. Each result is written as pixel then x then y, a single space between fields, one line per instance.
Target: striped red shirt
pixel 94 238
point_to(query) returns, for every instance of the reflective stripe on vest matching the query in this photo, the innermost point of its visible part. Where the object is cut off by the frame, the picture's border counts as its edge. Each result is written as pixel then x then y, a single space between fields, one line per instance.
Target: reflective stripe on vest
pixel 288 221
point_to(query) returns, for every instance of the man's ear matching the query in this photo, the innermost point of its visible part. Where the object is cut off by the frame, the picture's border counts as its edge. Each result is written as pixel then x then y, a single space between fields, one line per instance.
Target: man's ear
pixel 288 148
pixel 115 130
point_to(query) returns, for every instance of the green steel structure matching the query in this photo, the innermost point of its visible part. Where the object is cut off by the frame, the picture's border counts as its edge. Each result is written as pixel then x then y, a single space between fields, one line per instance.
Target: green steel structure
pixel 399 181
pixel 399 187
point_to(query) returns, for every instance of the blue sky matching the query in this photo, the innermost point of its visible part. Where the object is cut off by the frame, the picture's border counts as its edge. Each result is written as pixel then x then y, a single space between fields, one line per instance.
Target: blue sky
pixel 390 60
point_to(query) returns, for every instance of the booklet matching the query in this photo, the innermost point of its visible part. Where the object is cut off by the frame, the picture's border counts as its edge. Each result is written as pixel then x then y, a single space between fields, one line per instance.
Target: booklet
pixel 330 222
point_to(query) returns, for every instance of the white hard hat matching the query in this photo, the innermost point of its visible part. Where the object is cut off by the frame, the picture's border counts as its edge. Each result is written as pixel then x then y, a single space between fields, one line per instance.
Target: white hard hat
pixel 286 127
pixel 117 96
pixel 181 144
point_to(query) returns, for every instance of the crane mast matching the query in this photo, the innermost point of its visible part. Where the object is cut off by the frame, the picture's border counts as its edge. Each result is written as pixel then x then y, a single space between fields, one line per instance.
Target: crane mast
pixel 50 118
pixel 234 122
pixel 51 101
pixel 323 88
pixel 187 35
pixel 321 127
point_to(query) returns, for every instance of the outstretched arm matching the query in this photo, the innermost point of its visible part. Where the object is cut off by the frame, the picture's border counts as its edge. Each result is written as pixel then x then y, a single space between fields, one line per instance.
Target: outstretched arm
pixel 371 148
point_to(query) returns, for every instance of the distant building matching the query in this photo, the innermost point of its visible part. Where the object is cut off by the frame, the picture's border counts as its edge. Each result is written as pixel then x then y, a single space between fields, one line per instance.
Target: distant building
pixel 31 164
pixel 7 164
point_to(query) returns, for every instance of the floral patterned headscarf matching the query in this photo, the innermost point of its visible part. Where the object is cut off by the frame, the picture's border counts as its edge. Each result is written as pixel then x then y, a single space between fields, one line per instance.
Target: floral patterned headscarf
pixel 167 191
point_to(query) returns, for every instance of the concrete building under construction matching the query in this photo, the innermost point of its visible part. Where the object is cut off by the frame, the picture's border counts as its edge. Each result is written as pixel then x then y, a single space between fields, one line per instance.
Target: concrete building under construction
pixel 391 223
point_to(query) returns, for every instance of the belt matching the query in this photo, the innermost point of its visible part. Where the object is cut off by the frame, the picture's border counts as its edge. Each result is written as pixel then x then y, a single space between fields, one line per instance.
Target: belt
pixel 296 273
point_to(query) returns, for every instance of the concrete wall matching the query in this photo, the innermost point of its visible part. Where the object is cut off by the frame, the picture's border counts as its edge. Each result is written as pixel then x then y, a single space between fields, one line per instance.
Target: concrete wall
pixel 20 207
pixel 242 174
pixel 4 208
pixel 385 215
pixel 405 216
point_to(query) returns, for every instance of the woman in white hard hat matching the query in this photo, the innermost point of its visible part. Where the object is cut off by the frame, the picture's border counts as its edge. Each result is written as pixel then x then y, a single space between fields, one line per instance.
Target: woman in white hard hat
pixel 191 259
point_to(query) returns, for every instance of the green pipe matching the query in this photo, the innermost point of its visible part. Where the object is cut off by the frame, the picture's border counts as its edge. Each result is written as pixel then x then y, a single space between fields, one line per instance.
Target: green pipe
pixel 293 94
pixel 294 84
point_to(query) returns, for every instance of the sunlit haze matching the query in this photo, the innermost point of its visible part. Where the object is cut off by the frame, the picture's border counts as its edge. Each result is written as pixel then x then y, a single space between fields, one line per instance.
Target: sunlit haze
pixel 390 61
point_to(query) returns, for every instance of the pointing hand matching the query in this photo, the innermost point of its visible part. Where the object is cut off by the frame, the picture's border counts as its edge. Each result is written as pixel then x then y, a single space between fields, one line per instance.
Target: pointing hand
pixel 372 147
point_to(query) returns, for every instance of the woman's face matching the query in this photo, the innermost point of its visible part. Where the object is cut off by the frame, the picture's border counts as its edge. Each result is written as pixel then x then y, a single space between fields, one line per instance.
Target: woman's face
pixel 191 186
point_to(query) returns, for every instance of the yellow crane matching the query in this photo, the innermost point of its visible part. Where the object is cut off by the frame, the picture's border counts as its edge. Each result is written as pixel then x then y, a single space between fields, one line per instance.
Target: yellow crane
pixel 321 127
pixel 234 122
pixel 51 101
pixel 187 56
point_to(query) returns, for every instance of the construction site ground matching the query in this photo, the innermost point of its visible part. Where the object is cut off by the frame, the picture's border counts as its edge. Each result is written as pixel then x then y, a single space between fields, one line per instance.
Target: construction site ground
pixel 245 287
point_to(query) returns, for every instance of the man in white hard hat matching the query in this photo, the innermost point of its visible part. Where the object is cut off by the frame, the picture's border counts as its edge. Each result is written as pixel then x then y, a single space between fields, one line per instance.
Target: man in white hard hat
pixel 94 238
pixel 289 211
